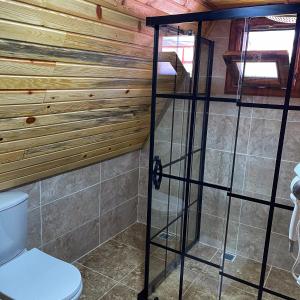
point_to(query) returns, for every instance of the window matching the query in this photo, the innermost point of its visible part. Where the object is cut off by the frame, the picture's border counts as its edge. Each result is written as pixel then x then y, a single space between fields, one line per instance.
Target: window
pixel 183 46
pixel 268 55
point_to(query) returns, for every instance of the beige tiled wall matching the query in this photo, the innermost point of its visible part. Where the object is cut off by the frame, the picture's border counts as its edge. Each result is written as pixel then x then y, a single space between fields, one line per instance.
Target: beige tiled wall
pixel 72 213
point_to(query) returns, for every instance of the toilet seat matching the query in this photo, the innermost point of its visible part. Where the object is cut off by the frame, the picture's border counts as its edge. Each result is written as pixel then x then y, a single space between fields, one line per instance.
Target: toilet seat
pixel 35 275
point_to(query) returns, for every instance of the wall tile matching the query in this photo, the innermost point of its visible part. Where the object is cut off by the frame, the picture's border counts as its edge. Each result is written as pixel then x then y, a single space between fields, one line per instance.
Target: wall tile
pixel 220 29
pixel 254 214
pixel 119 165
pixel 264 137
pixel 221 133
pixel 142 209
pixel 281 221
pixel 34 229
pixel 228 109
pixel 291 148
pixel 270 114
pixel 259 175
pixel 76 243
pixel 215 202
pixel 118 219
pixel 219 66
pixel 251 242
pixel 213 229
pixel 144 156
pixel 118 189
pixel 143 182
pixel 218 168
pixel 67 213
pixel 279 255
pixel 33 191
pixel 68 183
pixel 286 175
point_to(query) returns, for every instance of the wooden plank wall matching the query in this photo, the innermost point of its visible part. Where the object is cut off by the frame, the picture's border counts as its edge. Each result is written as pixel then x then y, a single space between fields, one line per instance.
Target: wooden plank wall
pixel 75 79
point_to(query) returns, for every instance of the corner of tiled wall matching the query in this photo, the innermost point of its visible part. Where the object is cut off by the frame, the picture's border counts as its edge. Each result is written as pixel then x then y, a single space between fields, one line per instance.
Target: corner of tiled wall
pixel 143 185
pixel 72 213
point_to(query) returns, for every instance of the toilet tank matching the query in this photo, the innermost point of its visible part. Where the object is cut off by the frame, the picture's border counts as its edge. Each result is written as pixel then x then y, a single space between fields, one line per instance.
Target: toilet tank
pixel 13 224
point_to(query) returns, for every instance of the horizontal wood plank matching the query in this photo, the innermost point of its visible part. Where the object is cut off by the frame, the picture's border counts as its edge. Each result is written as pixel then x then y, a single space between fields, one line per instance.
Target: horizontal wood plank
pixel 93 12
pixel 36 154
pixel 44 120
pixel 50 96
pixel 73 129
pixel 45 68
pixel 45 36
pixel 28 14
pixel 32 82
pixel 13 111
pixel 18 49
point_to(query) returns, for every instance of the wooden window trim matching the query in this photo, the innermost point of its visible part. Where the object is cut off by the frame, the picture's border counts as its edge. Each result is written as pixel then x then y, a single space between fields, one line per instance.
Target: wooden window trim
pixel 235 46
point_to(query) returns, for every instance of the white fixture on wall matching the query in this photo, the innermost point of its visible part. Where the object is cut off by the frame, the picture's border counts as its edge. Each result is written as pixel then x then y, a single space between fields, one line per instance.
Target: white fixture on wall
pixel 288 19
pixel 294 232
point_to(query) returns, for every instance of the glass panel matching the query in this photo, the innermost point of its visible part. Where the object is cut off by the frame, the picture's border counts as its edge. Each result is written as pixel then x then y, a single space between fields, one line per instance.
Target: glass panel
pixel 258 69
pixel 176 54
pixel 232 290
pixel 268 55
pixel 271 40
pixel 284 246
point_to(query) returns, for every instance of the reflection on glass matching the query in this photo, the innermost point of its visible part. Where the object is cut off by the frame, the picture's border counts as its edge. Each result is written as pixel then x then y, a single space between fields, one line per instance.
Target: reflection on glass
pixel 258 69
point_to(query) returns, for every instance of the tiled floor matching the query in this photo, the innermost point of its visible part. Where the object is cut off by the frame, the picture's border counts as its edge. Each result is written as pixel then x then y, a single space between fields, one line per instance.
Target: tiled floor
pixel 114 271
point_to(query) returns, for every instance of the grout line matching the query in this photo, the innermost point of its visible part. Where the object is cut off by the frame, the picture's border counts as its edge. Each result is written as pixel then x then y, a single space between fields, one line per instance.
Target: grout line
pixel 104 242
pixel 69 231
pixel 121 174
pixel 120 204
pixel 41 215
pixel 99 213
pixel 81 190
pixel 92 185
pixel 96 271
pixel 267 277
pixel 244 181
pixel 202 271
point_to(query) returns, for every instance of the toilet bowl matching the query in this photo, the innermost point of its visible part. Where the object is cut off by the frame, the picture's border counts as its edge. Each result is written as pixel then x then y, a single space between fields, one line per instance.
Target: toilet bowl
pixel 33 274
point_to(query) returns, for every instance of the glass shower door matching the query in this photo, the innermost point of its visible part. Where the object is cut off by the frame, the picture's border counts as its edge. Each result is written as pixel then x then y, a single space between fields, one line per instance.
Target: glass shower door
pixel 169 208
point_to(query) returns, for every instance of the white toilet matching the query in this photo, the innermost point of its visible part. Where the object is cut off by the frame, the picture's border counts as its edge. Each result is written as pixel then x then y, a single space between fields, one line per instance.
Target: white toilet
pixel 30 275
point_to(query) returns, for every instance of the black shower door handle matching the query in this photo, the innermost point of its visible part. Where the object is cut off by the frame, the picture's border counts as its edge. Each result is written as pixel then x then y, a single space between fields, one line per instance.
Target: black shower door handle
pixel 157 173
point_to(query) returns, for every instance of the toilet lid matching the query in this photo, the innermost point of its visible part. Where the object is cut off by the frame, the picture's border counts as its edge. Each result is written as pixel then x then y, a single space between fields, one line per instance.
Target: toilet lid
pixel 35 275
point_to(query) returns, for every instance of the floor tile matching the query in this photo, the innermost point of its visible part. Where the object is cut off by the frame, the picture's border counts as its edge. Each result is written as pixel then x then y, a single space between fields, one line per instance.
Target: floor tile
pixel 242 268
pixel 135 279
pixel 283 282
pixel 113 259
pixel 120 292
pixel 169 288
pixel 95 285
pixel 200 251
pixel 134 236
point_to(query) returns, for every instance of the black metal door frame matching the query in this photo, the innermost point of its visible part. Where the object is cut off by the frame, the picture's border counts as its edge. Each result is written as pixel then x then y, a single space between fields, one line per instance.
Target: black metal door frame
pixel 246 12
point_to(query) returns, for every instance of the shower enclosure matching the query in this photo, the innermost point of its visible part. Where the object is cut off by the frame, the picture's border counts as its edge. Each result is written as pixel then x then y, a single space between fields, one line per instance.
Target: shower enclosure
pixel 225 138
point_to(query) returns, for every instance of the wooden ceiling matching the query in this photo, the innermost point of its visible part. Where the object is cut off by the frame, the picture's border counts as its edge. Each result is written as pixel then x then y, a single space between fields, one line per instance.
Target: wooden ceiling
pixel 163 7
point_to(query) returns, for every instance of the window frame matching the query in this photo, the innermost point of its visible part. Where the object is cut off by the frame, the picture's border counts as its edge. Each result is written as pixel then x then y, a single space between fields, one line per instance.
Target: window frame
pixel 235 45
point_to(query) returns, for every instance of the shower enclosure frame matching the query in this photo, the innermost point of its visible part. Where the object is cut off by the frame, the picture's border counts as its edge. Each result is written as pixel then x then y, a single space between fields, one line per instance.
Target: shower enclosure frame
pixel 226 14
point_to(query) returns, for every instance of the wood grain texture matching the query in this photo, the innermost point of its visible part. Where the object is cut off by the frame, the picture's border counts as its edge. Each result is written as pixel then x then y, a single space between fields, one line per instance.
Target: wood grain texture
pixel 75 84
pixel 45 36
pixel 17 49
pixel 81 160
pixel 91 11
pixel 28 14
pixel 46 68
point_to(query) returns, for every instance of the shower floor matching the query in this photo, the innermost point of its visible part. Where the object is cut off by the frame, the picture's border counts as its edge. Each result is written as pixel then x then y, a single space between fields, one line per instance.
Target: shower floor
pixel 114 270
